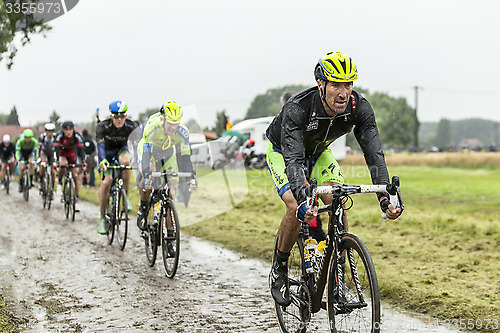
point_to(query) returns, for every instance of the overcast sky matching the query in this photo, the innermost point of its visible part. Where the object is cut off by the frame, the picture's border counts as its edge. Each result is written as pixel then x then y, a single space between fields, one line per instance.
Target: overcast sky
pixel 220 54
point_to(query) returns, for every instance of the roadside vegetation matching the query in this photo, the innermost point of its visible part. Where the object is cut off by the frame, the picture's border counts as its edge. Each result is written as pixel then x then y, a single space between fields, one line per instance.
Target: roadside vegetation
pixel 8 322
pixel 441 258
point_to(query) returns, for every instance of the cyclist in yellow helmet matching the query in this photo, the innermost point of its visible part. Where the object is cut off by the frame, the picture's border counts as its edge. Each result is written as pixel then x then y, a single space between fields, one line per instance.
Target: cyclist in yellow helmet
pixel 164 139
pixel 299 139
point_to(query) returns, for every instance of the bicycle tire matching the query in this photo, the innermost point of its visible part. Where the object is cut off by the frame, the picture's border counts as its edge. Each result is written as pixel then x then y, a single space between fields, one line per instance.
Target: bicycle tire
pixel 43 182
pixel 7 180
pixel 50 189
pixel 72 199
pixel 26 185
pixel 291 318
pixel 111 218
pixel 344 315
pixel 66 198
pixel 121 221
pixel 170 264
pixel 151 241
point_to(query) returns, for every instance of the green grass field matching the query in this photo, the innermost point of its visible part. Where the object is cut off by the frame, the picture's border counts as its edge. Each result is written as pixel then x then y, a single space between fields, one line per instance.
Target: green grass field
pixel 441 258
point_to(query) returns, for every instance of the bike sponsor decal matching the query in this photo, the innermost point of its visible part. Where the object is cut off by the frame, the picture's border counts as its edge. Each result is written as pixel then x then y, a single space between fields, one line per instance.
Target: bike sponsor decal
pixel 313 125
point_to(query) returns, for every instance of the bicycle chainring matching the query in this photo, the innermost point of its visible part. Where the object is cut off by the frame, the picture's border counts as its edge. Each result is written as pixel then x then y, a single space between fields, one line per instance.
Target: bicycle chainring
pixel 305 296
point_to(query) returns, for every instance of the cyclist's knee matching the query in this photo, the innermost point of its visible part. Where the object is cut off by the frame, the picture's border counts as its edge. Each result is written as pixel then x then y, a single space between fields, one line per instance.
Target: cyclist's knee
pixel 290 202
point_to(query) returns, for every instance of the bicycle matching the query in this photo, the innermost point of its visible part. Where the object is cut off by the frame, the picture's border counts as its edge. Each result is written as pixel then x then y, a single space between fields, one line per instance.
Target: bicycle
pixel 46 186
pixel 6 182
pixel 345 268
pixel 117 212
pixel 68 191
pixel 164 215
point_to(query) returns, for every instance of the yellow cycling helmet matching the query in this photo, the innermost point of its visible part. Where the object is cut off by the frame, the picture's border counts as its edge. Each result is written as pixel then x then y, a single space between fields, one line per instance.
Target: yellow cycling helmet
pixel 172 112
pixel 336 67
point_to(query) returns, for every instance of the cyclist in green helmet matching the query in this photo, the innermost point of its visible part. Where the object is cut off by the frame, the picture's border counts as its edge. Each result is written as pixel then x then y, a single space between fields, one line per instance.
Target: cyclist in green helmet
pixel 26 148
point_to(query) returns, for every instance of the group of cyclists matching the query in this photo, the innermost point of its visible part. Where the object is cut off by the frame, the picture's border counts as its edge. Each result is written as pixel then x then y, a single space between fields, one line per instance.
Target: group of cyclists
pixel 298 150
pixel 163 146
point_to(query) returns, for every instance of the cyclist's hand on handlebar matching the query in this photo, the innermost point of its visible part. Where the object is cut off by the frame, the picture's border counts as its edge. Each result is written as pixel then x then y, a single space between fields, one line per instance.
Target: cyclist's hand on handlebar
pixel 304 214
pixel 104 165
pixel 193 185
pixel 390 211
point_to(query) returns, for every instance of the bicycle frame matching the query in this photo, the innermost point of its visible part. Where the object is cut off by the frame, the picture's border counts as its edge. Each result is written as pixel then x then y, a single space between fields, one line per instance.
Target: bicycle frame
pixel 336 229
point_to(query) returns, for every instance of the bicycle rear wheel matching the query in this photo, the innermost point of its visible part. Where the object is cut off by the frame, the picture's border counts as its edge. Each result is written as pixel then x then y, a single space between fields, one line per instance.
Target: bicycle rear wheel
pixel 170 238
pixel 111 217
pixel 358 310
pixel 121 220
pixel 295 317
pixel 151 241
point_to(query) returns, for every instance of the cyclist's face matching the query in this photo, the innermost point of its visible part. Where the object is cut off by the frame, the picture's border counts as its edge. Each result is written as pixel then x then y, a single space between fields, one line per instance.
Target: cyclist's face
pixel 337 96
pixel 170 129
pixel 49 133
pixel 68 132
pixel 27 139
pixel 118 119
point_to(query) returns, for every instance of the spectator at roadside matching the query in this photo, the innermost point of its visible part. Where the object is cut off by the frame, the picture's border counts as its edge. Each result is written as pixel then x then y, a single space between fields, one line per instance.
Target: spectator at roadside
pixel 90 158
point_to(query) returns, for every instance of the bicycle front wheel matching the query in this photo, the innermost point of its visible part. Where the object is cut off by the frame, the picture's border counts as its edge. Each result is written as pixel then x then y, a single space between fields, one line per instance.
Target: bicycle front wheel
pixel 49 190
pixel 353 306
pixel 26 185
pixel 45 187
pixel 171 240
pixel 7 181
pixel 295 317
pixel 111 217
pixel 151 241
pixel 66 198
pixel 72 199
pixel 121 221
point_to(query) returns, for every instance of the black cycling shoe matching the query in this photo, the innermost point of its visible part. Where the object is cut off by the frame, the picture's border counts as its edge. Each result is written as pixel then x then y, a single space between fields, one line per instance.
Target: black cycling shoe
pixel 280 285
pixel 20 187
pixel 141 219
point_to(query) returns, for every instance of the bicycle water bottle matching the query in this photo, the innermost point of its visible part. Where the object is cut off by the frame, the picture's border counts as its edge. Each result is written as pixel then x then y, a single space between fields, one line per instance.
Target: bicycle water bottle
pixel 318 254
pixel 309 249
pixel 156 211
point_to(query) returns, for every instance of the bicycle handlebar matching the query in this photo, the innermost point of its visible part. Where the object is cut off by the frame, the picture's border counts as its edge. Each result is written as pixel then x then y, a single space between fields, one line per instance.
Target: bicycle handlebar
pixel 123 167
pixel 171 174
pixel 344 190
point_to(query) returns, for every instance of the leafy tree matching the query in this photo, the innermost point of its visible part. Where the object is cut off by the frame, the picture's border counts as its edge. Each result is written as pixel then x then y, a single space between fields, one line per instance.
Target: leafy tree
pixel 144 116
pixel 13 118
pixel 394 118
pixel 3 119
pixel 193 126
pixel 269 104
pixel 220 122
pixel 443 133
pixel 11 22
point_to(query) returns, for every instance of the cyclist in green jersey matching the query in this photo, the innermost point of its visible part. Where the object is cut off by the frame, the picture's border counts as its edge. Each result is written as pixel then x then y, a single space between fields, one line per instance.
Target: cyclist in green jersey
pixel 164 137
pixel 26 148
